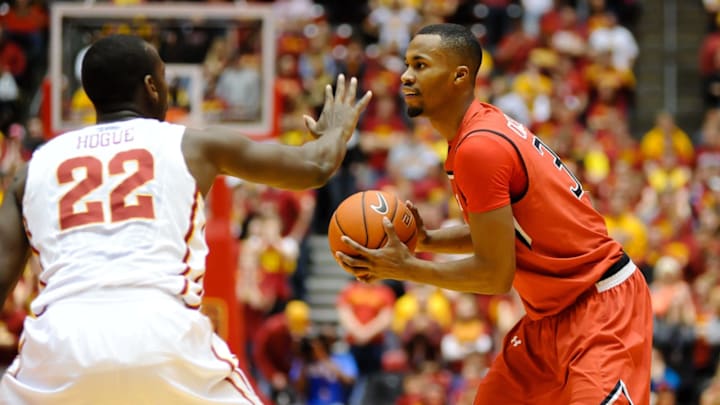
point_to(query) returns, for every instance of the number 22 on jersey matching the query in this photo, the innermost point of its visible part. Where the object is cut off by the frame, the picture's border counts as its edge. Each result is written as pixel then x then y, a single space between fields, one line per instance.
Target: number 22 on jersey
pixel 119 209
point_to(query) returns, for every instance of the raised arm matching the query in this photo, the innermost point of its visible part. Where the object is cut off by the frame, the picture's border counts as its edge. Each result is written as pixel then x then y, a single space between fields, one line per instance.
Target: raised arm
pixel 14 245
pixel 223 151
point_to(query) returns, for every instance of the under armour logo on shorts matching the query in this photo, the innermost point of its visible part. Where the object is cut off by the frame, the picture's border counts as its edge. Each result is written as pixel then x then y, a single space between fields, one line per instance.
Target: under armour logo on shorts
pixel 515 341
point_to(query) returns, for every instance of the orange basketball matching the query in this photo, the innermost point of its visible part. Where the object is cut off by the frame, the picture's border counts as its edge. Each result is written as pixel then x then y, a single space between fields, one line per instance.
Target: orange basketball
pixel 360 218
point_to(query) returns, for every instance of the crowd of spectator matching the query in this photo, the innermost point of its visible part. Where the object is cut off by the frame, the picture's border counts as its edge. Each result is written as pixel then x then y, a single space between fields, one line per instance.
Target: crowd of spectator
pixel 565 69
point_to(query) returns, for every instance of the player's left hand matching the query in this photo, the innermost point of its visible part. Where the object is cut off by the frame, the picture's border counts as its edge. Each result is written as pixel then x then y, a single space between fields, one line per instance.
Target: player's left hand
pixel 369 265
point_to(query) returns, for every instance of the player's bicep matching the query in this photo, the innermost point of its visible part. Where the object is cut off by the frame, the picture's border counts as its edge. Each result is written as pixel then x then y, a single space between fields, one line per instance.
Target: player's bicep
pixel 14 245
pixel 493 240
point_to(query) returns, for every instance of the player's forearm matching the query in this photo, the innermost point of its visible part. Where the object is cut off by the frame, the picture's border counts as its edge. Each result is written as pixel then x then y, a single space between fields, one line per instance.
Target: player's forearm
pixel 471 274
pixel 455 239
pixel 323 156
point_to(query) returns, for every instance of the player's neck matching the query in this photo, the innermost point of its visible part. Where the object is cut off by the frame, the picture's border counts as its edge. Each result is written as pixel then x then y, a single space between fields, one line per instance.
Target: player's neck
pixel 448 121
pixel 117 115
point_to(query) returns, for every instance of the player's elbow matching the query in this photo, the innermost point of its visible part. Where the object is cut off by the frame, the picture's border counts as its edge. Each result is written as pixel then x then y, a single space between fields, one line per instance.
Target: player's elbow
pixel 503 286
pixel 325 172
pixel 306 176
pixel 318 175
pixel 504 277
pixel 498 281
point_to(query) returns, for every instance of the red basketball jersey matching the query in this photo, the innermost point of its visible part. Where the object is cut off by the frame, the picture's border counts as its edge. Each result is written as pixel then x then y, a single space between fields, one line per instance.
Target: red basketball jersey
pixel 562 245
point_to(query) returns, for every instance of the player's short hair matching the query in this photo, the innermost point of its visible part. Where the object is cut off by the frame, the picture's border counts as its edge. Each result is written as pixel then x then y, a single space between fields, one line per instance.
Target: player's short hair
pixel 459 40
pixel 113 69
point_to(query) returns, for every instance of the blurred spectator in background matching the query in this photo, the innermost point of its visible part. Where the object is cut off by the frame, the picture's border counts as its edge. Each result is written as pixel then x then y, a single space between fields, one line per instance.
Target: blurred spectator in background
pixel 421 299
pixel 626 227
pixel 316 66
pixel 495 15
pixel 276 346
pixel 509 100
pixel 392 22
pixel 421 338
pixel 534 84
pixel 365 314
pixel 11 325
pixel 381 131
pixel 324 375
pixel 266 261
pixel 216 59
pixel 711 394
pixel 611 90
pixel 616 39
pixel 711 80
pixel 25 23
pixel 11 153
pixel 666 138
pixel 664 381
pixel 674 318
pixel 469 333
pixel 532 11
pixel 239 85
pixel 10 99
pixel 513 50
pixel 12 56
pixel 33 137
pixel 411 159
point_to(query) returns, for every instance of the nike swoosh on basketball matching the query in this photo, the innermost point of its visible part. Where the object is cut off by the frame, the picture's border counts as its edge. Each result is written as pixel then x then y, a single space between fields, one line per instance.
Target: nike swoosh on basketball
pixel 381 209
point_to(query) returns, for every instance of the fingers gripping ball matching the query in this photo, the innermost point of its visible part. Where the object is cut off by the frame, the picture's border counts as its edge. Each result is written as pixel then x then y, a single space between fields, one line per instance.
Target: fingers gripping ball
pixel 360 218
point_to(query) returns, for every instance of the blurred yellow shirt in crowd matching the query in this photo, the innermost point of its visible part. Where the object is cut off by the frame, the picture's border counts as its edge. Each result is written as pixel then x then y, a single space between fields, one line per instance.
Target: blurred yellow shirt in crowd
pixel 607 76
pixel 82 108
pixel 530 86
pixel 653 145
pixel 631 232
pixel 406 307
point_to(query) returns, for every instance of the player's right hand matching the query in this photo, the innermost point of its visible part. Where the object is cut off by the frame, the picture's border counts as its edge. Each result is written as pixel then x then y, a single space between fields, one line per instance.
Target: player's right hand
pixel 340 111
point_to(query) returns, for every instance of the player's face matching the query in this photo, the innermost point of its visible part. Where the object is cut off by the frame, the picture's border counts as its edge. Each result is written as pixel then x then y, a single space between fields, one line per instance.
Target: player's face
pixel 427 79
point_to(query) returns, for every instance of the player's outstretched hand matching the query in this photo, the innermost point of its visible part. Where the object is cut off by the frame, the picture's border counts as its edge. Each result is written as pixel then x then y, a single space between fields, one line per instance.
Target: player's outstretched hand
pixel 369 265
pixel 340 111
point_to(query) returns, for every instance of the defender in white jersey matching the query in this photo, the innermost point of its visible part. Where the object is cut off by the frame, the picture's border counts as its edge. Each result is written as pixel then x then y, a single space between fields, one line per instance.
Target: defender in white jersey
pixel 114 213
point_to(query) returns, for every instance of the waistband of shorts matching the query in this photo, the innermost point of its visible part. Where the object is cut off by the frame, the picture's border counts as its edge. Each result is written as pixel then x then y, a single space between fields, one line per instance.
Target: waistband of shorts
pixel 620 271
pixel 118 294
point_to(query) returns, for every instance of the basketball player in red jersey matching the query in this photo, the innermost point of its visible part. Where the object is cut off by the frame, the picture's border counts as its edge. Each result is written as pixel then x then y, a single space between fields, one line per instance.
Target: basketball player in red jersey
pixel 586 337
pixel 114 212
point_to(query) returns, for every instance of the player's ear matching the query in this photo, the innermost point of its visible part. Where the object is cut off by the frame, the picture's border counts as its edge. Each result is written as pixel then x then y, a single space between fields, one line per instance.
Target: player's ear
pixel 151 87
pixel 461 73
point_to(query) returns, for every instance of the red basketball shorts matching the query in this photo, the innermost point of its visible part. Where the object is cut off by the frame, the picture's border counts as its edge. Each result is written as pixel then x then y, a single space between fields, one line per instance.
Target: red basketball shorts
pixel 594 352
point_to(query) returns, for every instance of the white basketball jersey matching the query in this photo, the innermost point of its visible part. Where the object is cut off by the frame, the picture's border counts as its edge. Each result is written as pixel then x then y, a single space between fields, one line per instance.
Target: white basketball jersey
pixel 114 205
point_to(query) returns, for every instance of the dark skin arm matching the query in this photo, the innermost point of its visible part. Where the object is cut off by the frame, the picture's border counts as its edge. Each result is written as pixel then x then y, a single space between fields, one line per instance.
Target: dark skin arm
pixel 452 240
pixel 14 244
pixel 220 151
pixel 489 270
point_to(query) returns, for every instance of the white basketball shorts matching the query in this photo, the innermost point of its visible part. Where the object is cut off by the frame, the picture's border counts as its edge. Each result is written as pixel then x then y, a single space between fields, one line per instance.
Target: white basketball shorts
pixel 123 346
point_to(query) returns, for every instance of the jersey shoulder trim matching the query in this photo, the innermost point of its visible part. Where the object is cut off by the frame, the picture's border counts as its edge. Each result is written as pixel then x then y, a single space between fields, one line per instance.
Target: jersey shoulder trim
pixel 516 198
